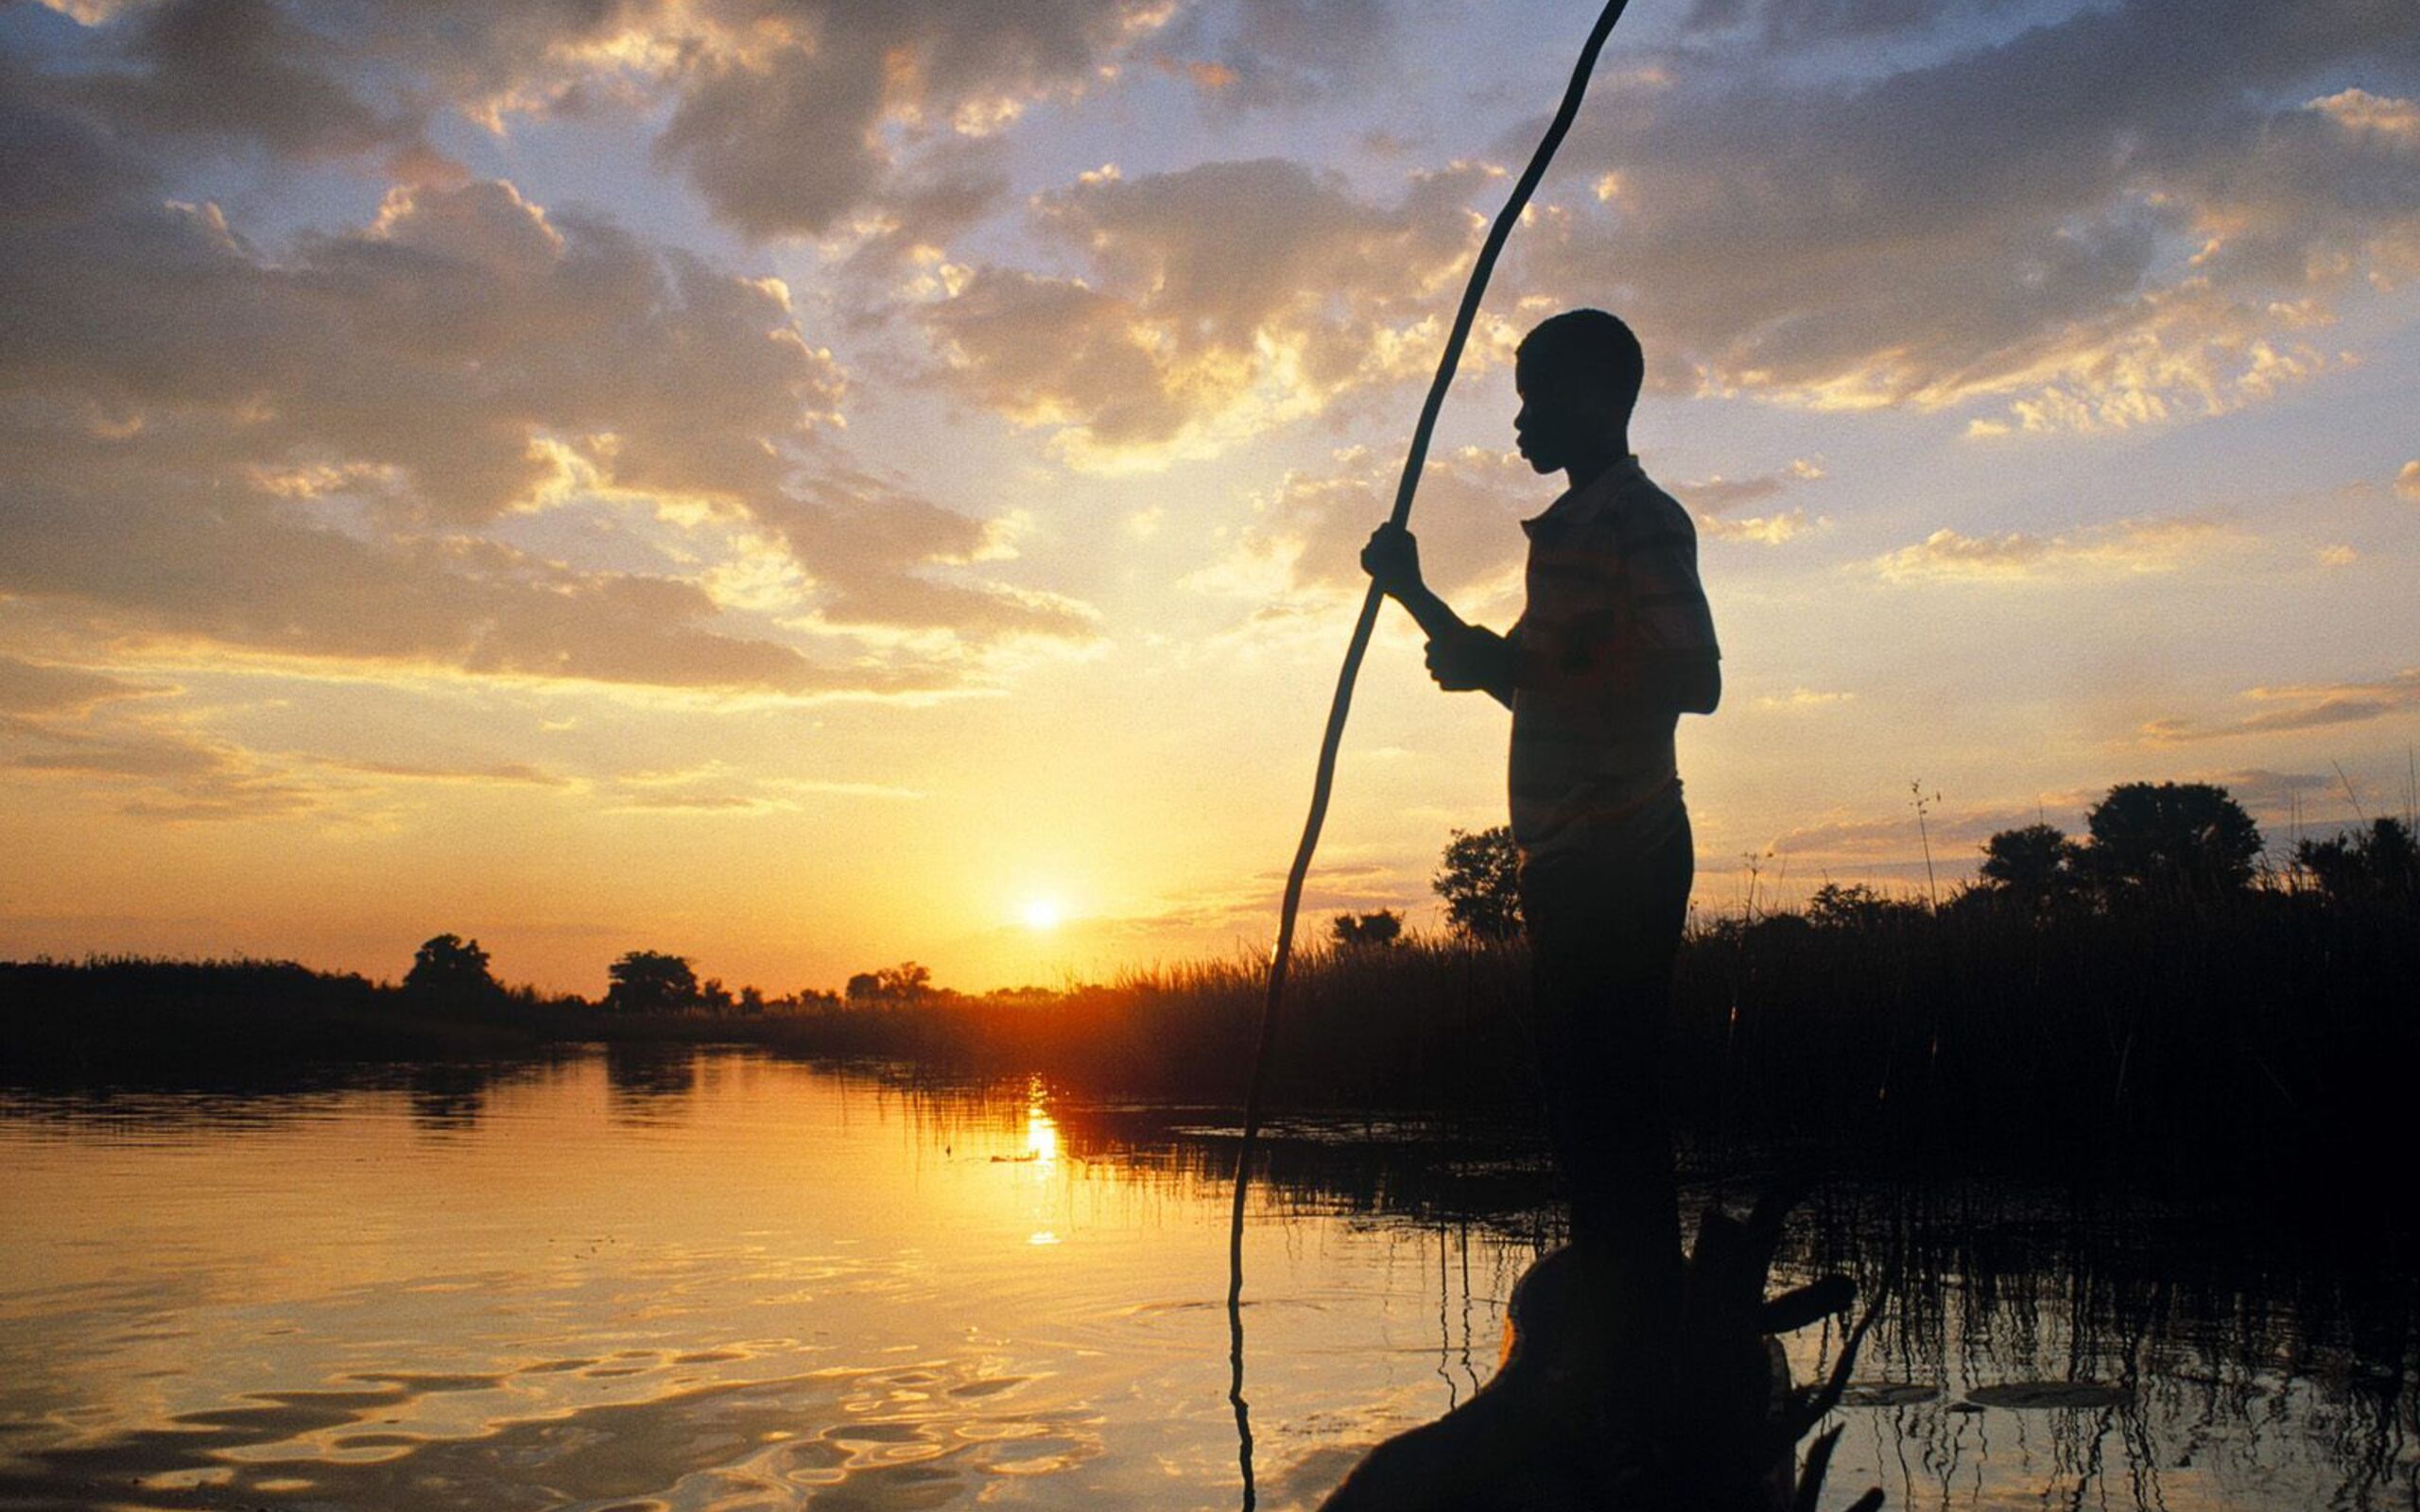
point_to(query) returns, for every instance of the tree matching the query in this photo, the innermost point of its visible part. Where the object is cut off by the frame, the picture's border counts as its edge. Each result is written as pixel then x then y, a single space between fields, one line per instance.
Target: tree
pixel 892 984
pixel 2171 837
pixel 1366 931
pixel 1481 884
pixel 1855 908
pixel 2382 861
pixel 453 971
pixel 650 981
pixel 2037 865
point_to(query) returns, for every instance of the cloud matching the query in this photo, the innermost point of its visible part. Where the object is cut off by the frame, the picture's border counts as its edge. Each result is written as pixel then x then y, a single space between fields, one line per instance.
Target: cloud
pixel 508 774
pixel 1214 302
pixel 781 121
pixel 2407 481
pixel 789 117
pixel 1305 534
pixel 41 688
pixel 1713 500
pixel 151 767
pixel 1955 834
pixel 1282 52
pixel 1800 24
pixel 2267 793
pixel 2135 212
pixel 714 788
pixel 2297 707
pixel 313 452
pixel 1805 698
pixel 2151 544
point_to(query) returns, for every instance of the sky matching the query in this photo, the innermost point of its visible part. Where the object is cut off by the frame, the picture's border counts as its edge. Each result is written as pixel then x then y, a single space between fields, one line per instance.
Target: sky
pixel 810 484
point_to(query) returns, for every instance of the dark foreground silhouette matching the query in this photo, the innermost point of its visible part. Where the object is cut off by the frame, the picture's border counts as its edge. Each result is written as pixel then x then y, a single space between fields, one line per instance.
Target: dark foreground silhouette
pixel 1713 1425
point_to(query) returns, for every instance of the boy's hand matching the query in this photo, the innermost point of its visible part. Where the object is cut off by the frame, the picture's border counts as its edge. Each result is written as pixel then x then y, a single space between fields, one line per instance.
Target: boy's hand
pixel 1471 660
pixel 1392 560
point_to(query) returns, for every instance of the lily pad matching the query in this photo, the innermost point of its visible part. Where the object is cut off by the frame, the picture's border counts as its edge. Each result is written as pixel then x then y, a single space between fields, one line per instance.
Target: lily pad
pixel 2048 1394
pixel 1887 1394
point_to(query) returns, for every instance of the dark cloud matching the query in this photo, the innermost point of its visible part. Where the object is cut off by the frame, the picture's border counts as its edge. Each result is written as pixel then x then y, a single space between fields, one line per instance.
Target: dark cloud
pixel 39 687
pixel 243 71
pixel 2140 210
pixel 789 116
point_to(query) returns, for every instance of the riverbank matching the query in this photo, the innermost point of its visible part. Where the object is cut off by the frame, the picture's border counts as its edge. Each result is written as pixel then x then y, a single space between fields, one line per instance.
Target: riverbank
pixel 2242 1032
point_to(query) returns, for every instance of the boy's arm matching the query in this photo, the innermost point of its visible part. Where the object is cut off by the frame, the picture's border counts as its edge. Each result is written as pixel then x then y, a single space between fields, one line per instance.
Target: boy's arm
pixel 1461 657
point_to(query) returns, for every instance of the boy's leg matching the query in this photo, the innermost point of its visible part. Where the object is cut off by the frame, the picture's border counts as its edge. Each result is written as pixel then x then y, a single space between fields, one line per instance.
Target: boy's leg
pixel 1603 928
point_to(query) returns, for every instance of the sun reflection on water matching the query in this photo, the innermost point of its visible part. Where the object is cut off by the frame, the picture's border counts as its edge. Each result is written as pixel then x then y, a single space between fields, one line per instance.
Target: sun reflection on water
pixel 1041 1130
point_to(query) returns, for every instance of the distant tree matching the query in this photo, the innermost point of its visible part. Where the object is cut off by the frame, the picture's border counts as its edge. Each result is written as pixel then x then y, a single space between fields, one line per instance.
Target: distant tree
pixel 1366 931
pixel 2171 837
pixel 2036 865
pixel 891 984
pixel 2379 861
pixel 1480 882
pixel 1854 906
pixel 650 981
pixel 450 971
pixel 752 1000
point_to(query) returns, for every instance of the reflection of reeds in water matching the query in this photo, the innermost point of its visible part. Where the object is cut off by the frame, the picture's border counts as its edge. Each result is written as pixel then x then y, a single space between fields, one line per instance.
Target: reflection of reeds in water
pixel 2234 1358
pixel 2277 1358
pixel 2273 1357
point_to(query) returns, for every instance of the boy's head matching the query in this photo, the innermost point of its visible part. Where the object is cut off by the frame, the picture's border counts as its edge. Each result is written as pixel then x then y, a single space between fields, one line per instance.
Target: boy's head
pixel 1579 375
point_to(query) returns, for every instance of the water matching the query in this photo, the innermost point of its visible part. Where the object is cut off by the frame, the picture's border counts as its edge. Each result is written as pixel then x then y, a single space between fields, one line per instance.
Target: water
pixel 723 1280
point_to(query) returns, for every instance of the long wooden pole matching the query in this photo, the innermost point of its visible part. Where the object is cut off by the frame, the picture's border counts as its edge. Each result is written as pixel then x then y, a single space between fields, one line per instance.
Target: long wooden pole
pixel 1323 784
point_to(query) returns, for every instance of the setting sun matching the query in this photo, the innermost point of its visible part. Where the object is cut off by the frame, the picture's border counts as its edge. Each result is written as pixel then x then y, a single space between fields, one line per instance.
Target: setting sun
pixel 1042 913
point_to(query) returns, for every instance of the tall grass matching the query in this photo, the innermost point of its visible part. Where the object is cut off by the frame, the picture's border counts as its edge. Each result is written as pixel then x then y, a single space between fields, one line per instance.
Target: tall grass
pixel 2237 1032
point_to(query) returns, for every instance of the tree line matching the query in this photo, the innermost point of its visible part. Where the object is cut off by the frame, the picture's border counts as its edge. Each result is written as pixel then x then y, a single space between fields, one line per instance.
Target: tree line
pixel 2142 842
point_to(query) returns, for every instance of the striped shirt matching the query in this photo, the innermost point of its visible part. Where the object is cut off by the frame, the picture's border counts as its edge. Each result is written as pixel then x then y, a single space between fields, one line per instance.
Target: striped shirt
pixel 1612 580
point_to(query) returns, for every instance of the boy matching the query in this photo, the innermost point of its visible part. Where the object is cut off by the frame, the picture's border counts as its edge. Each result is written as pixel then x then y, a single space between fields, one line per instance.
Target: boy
pixel 1615 644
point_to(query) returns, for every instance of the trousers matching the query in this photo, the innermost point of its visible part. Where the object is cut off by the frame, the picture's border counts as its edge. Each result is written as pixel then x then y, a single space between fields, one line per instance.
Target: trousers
pixel 1604 919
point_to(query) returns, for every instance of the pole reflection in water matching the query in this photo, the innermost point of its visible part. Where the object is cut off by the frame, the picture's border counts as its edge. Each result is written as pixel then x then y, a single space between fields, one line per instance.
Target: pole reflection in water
pixel 720 1278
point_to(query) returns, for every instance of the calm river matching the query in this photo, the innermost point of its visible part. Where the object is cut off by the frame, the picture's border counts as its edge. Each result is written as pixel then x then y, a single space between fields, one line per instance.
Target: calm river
pixel 724 1280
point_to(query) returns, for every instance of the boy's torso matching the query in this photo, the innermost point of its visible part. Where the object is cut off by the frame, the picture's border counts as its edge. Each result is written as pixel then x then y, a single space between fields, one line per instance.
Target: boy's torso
pixel 1612 573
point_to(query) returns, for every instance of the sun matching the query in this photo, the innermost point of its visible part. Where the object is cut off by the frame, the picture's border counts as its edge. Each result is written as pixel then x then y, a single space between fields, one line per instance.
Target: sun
pixel 1042 913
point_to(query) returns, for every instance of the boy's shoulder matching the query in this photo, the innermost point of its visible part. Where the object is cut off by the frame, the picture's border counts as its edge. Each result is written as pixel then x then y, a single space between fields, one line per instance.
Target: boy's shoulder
pixel 1643 507
pixel 1621 509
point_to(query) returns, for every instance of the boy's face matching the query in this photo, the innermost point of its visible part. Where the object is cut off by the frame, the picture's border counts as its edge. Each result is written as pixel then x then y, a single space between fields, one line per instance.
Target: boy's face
pixel 1561 418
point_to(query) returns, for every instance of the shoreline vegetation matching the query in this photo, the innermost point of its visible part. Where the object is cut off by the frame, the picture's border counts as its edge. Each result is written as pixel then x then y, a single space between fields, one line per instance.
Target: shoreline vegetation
pixel 2056 1011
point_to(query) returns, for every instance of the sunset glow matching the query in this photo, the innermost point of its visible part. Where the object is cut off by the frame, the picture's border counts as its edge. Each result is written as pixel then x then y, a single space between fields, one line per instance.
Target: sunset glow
pixel 601 480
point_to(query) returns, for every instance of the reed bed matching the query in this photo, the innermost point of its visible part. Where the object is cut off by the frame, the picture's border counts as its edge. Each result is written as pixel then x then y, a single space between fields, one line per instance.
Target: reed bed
pixel 2238 1033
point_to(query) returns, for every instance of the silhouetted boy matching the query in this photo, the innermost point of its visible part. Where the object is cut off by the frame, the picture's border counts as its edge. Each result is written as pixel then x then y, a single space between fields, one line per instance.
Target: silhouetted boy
pixel 1613 645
